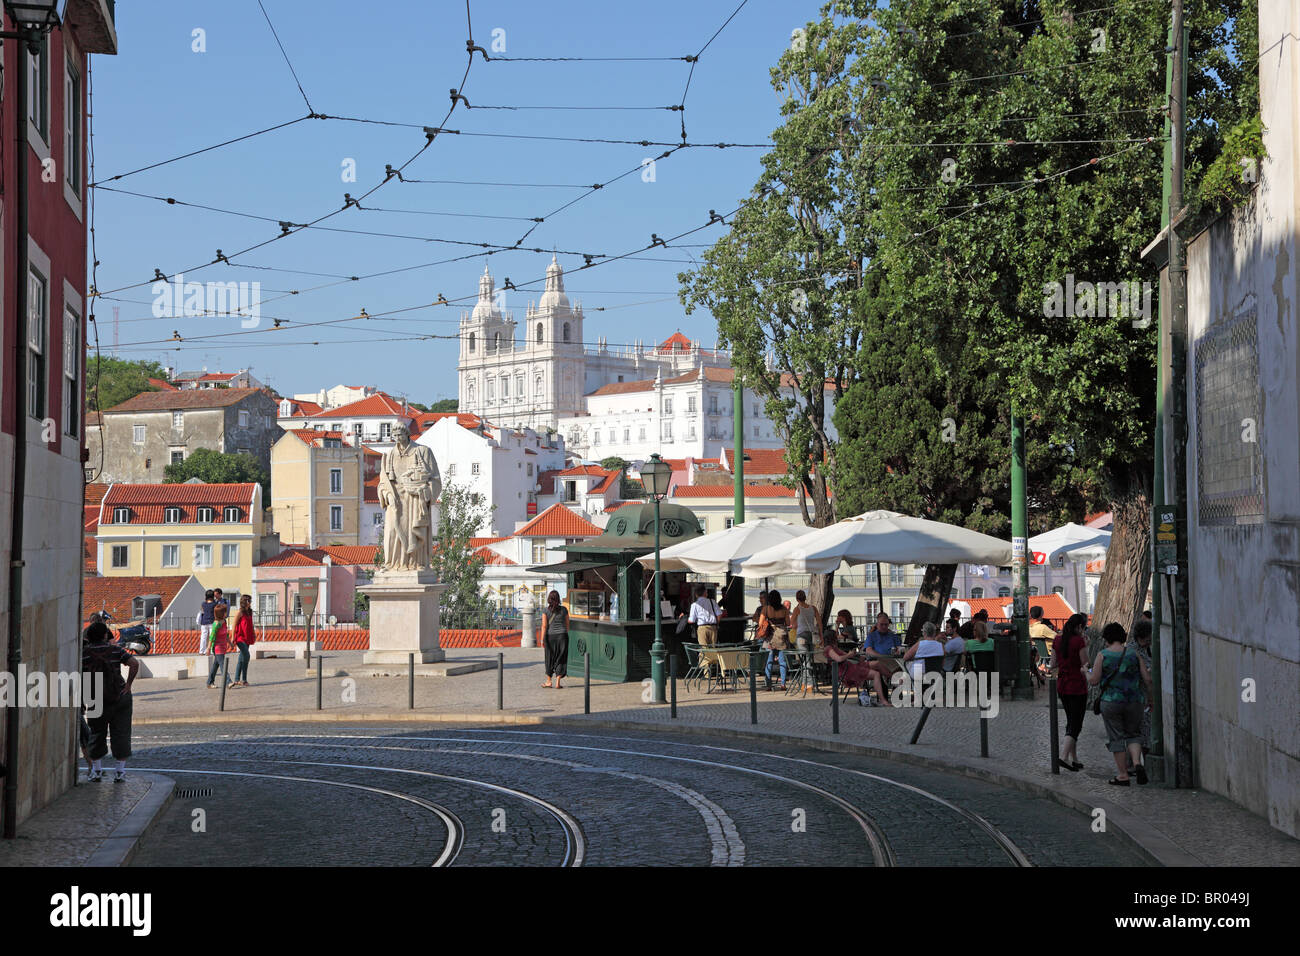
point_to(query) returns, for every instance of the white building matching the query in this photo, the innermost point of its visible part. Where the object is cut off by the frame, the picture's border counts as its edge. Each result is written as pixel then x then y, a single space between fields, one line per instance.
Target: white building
pixel 336 396
pixel 504 465
pixel 587 489
pixel 185 381
pixel 370 420
pixel 536 378
pixel 535 543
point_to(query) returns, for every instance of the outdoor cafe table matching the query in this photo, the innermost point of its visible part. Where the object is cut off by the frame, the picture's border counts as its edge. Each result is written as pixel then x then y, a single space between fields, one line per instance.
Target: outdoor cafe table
pixel 733 660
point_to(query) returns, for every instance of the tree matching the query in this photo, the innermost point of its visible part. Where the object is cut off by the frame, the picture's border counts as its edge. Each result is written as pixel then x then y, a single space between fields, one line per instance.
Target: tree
pixel 218 468
pixel 461 513
pixel 612 463
pixel 445 405
pixel 111 381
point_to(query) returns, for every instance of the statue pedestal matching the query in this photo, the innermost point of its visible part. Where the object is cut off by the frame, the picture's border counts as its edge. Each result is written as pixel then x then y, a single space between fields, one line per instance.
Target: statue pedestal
pixel 404 617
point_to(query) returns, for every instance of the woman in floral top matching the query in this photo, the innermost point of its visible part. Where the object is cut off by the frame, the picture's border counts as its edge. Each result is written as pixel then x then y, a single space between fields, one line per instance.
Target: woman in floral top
pixel 1118 670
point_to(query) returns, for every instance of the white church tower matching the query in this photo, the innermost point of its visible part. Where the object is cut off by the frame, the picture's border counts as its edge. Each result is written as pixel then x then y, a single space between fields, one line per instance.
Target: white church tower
pixel 531 383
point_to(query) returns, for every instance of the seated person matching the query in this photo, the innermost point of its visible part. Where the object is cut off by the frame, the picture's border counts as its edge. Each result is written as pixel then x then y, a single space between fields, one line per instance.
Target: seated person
pixel 854 672
pixel 979 639
pixel 928 646
pixel 953 646
pixel 879 645
pixel 845 632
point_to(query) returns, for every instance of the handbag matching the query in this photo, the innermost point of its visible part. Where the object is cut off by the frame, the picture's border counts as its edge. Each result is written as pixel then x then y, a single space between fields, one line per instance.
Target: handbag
pixel 682 624
pixel 1096 704
pixel 779 640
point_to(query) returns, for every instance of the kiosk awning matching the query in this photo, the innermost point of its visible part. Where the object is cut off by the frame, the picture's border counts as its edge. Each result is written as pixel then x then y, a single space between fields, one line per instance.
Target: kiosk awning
pixel 564 567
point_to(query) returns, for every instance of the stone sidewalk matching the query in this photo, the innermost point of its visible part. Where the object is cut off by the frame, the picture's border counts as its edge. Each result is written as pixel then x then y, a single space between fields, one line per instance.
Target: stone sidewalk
pixel 1176 827
pixel 93 824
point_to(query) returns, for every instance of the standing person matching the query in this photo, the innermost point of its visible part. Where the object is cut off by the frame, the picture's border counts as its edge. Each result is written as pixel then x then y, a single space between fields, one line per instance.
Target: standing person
pixel 101 656
pixel 1069 661
pixel 1142 644
pixel 555 628
pixel 778 620
pixel 704 615
pixel 807 622
pixel 1117 670
pixel 221 642
pixel 205 620
pixel 245 637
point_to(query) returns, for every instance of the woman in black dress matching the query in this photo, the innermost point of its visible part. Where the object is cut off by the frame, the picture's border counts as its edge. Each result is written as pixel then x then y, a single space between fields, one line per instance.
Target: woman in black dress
pixel 555 631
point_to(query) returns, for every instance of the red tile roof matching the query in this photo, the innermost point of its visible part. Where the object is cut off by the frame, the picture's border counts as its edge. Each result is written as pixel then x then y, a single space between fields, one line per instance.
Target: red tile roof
pixel 115 594
pixel 494 558
pixel 463 419
pixel 216 377
pixel 148 501
pixel 676 343
pixel 162 386
pixel 187 398
pixel 370 491
pixel 557 521
pixel 1054 606
pixel 315 437
pixel 484 542
pixel 379 405
pixel 296 556
pixel 758 461
pixel 300 409
pixel 90 555
pixel 727 491
pixel 95 492
pixel 619 504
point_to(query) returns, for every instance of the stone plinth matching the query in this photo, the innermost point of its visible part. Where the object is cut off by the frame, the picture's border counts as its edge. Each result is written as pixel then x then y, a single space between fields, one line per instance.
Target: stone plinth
pixel 404 617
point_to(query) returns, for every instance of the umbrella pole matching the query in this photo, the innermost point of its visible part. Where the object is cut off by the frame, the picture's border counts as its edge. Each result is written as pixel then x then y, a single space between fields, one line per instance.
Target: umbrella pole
pixel 880 590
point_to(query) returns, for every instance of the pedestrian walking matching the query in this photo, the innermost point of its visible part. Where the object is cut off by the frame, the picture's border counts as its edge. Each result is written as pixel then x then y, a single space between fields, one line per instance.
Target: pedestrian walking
pixel 807 622
pixel 555 630
pixel 245 637
pixel 205 620
pixel 705 614
pixel 1117 670
pixel 1069 661
pixel 112 723
pixel 221 642
pixel 777 618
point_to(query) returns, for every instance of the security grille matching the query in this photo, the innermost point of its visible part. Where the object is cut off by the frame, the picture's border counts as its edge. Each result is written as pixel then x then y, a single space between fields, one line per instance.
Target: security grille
pixel 1229 465
pixel 189 793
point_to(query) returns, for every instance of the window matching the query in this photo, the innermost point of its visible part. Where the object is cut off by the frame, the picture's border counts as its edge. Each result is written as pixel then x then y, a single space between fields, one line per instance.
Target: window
pixel 713 404
pixel 172 515
pixel 570 491
pixel 690 433
pixel 872 608
pixel 178 457
pixel 899 609
pixel 202 556
pixel 539 552
pixel 206 515
pixel 333 443
pixel 491 391
pixel 121 515
pixel 627 436
pixel 38 93
pixel 120 555
pixel 1004 592
pixel 473 468
pixel 336 517
pixel 1033 592
pixel 690 403
pixel 507 595
pixel 451 471
pixel 530 469
pixel 976 593
pixel 505 387
pixel 36 339
pixel 148 463
pixel 336 481
pixel 566 331
pixel 178 420
pixel 229 555
pixel 171 555
pixel 727 523
pixel 755 431
pixel 72 129
pixel 243 418
pixel 871 573
pixel 1058 590
pixel 137 434
pixel 356 430
pixel 668 406
pixel 668 431
pixel 756 411
pixel 230 514
pixel 611 436
pixel 378 518
pixel 640 433
pixel 471 341
pixel 595 436
pixel 267 604
pixel 71 373
pixel 1004 571
pixel 496 341
pixel 539 333
pixel 386 431
pixel 896 575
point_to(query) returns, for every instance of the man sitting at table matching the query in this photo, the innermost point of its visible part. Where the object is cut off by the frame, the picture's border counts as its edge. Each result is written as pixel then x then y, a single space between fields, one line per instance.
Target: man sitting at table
pixel 878 645
pixel 704 615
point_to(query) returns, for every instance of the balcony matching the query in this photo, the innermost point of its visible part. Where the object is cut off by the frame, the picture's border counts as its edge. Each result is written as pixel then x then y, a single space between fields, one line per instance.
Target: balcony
pixel 93 23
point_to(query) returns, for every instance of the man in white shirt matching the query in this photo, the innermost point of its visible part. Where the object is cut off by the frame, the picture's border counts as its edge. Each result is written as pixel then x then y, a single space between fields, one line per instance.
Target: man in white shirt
pixel 704 615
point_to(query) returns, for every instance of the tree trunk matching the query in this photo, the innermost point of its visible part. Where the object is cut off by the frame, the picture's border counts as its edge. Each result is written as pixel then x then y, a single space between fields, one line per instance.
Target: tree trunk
pixel 932 598
pixel 821 594
pixel 1122 591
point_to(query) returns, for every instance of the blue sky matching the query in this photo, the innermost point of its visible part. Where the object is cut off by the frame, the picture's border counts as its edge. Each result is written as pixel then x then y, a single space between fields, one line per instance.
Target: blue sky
pixel 158 98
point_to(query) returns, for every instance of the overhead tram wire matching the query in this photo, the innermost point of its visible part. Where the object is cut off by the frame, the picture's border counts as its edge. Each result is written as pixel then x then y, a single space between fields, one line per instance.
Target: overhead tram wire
pixel 283 53
pixel 429 139
pixel 696 59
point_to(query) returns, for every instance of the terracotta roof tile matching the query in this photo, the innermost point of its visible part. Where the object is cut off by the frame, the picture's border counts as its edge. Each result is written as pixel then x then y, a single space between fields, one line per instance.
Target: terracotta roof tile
pixel 1054 606
pixel 758 461
pixel 557 521
pixel 727 491
pixel 379 405
pixel 147 502
pixel 186 398
pixel 162 386
pixel 115 594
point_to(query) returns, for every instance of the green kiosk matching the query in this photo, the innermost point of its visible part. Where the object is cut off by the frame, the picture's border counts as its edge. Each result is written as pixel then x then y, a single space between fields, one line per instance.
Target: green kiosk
pixel 609 594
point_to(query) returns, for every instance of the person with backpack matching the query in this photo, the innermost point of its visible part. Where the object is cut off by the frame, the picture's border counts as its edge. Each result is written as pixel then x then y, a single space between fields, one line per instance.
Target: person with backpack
pixel 245 637
pixel 1118 670
pixel 100 656
pixel 555 638
pixel 221 642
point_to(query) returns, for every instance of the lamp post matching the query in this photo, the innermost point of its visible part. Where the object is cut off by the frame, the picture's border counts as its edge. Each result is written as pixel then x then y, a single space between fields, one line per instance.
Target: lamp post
pixel 32 21
pixel 655 476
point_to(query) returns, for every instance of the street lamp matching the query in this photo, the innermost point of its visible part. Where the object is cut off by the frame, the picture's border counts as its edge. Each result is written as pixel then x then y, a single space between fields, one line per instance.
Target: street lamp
pixel 33 19
pixel 655 476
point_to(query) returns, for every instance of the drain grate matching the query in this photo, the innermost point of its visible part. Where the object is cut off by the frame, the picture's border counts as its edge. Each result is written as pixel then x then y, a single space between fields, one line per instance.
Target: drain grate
pixel 189 793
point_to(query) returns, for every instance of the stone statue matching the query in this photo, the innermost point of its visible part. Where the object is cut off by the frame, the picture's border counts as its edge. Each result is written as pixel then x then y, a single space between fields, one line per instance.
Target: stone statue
pixel 408 486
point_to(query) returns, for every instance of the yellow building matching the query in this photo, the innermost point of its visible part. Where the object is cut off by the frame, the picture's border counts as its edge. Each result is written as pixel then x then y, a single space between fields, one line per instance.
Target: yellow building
pixel 317 488
pixel 215 532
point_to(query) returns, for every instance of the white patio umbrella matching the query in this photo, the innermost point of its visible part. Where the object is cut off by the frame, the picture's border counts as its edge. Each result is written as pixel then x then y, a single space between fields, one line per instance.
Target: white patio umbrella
pixel 884 536
pixel 722 551
pixel 1073 543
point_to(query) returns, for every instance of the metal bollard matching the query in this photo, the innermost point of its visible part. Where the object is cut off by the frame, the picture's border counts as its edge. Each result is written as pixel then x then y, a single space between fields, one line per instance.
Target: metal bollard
pixel 984 734
pixel 320 677
pixel 501 681
pixel 225 678
pixel 753 686
pixel 410 682
pixel 920 724
pixel 586 677
pixel 835 697
pixel 672 682
pixel 1056 730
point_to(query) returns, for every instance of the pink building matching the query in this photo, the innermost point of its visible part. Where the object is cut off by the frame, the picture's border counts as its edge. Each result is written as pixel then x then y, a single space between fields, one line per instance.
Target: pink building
pixel 338 568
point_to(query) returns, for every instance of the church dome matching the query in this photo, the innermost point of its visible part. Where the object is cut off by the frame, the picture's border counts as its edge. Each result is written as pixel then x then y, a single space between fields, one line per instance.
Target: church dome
pixel 554 297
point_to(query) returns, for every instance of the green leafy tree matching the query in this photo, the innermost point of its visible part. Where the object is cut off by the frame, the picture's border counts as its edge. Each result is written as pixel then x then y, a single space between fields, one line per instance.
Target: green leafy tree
pixel 214 467
pixel 461 513
pixel 111 381
pixel 445 405
pixel 613 462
